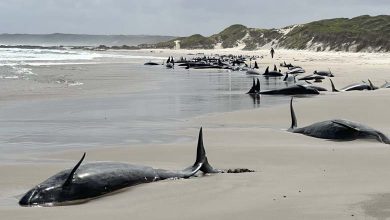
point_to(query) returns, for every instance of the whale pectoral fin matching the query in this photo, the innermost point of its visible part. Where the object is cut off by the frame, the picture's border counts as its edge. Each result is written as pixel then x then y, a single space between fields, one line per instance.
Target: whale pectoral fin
pixel 68 181
pixel 346 125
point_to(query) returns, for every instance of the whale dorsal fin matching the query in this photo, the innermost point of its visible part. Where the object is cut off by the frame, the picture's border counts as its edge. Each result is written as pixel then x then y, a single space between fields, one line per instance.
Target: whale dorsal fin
pixel 333 87
pixel 293 118
pixel 68 181
pixel 253 89
pixel 267 70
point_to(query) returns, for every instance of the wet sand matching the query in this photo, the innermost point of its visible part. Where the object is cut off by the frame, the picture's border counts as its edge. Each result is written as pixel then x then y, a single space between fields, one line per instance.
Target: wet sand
pixel 297 177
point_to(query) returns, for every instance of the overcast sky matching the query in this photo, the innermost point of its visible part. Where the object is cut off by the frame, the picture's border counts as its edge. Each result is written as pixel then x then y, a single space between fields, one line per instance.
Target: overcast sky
pixel 171 17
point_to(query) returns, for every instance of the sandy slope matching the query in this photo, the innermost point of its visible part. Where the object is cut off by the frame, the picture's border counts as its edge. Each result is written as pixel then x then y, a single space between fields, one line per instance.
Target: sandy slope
pixel 297 177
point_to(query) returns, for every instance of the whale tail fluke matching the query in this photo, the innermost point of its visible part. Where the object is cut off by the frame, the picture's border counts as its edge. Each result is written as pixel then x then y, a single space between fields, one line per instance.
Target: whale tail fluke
pixel 333 87
pixel 253 89
pixel 293 118
pixel 206 167
pixel 372 85
pixel 285 78
pixel 257 87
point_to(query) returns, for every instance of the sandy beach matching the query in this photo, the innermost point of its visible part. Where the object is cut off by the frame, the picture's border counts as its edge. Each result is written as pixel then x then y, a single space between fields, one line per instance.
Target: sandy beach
pixel 297 177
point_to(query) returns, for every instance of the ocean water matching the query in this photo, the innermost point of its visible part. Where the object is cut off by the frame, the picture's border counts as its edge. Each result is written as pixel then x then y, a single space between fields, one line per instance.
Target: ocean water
pixel 149 116
pixel 15 63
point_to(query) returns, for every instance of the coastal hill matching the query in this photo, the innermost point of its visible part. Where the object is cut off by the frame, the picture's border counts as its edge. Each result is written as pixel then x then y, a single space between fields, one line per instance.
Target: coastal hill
pixel 360 34
pixel 79 39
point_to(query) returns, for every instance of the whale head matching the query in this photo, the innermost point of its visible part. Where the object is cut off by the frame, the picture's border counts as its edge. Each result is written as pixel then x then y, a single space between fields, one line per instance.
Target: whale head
pixel 57 189
pixel 42 195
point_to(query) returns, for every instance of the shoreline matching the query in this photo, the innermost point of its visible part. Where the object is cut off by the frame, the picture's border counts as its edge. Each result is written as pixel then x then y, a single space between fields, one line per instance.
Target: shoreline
pixel 297 177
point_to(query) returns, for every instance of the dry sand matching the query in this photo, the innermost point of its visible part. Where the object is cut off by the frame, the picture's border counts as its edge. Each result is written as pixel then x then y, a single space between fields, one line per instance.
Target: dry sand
pixel 297 177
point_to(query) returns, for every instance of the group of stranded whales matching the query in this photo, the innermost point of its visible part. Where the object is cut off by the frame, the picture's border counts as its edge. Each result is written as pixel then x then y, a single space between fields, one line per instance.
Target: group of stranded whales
pixel 228 62
pixel 309 88
pixel 336 129
pixel 93 180
pixel 290 90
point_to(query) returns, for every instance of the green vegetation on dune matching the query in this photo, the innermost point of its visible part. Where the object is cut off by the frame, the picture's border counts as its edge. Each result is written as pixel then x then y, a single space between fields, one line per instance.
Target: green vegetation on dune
pixel 231 35
pixel 260 37
pixel 363 33
pixel 195 41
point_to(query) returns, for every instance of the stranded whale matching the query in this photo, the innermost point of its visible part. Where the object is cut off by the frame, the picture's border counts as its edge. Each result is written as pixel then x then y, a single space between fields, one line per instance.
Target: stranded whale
pixel 324 73
pixel 89 181
pixel 337 129
pixel 355 87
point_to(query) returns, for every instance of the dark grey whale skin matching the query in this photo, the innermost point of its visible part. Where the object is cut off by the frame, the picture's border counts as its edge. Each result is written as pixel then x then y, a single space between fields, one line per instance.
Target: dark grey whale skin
pixel 292 90
pixel 337 129
pixel 92 180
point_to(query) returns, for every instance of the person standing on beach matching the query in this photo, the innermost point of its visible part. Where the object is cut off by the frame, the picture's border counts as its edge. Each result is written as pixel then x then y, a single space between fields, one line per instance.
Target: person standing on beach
pixel 272 52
